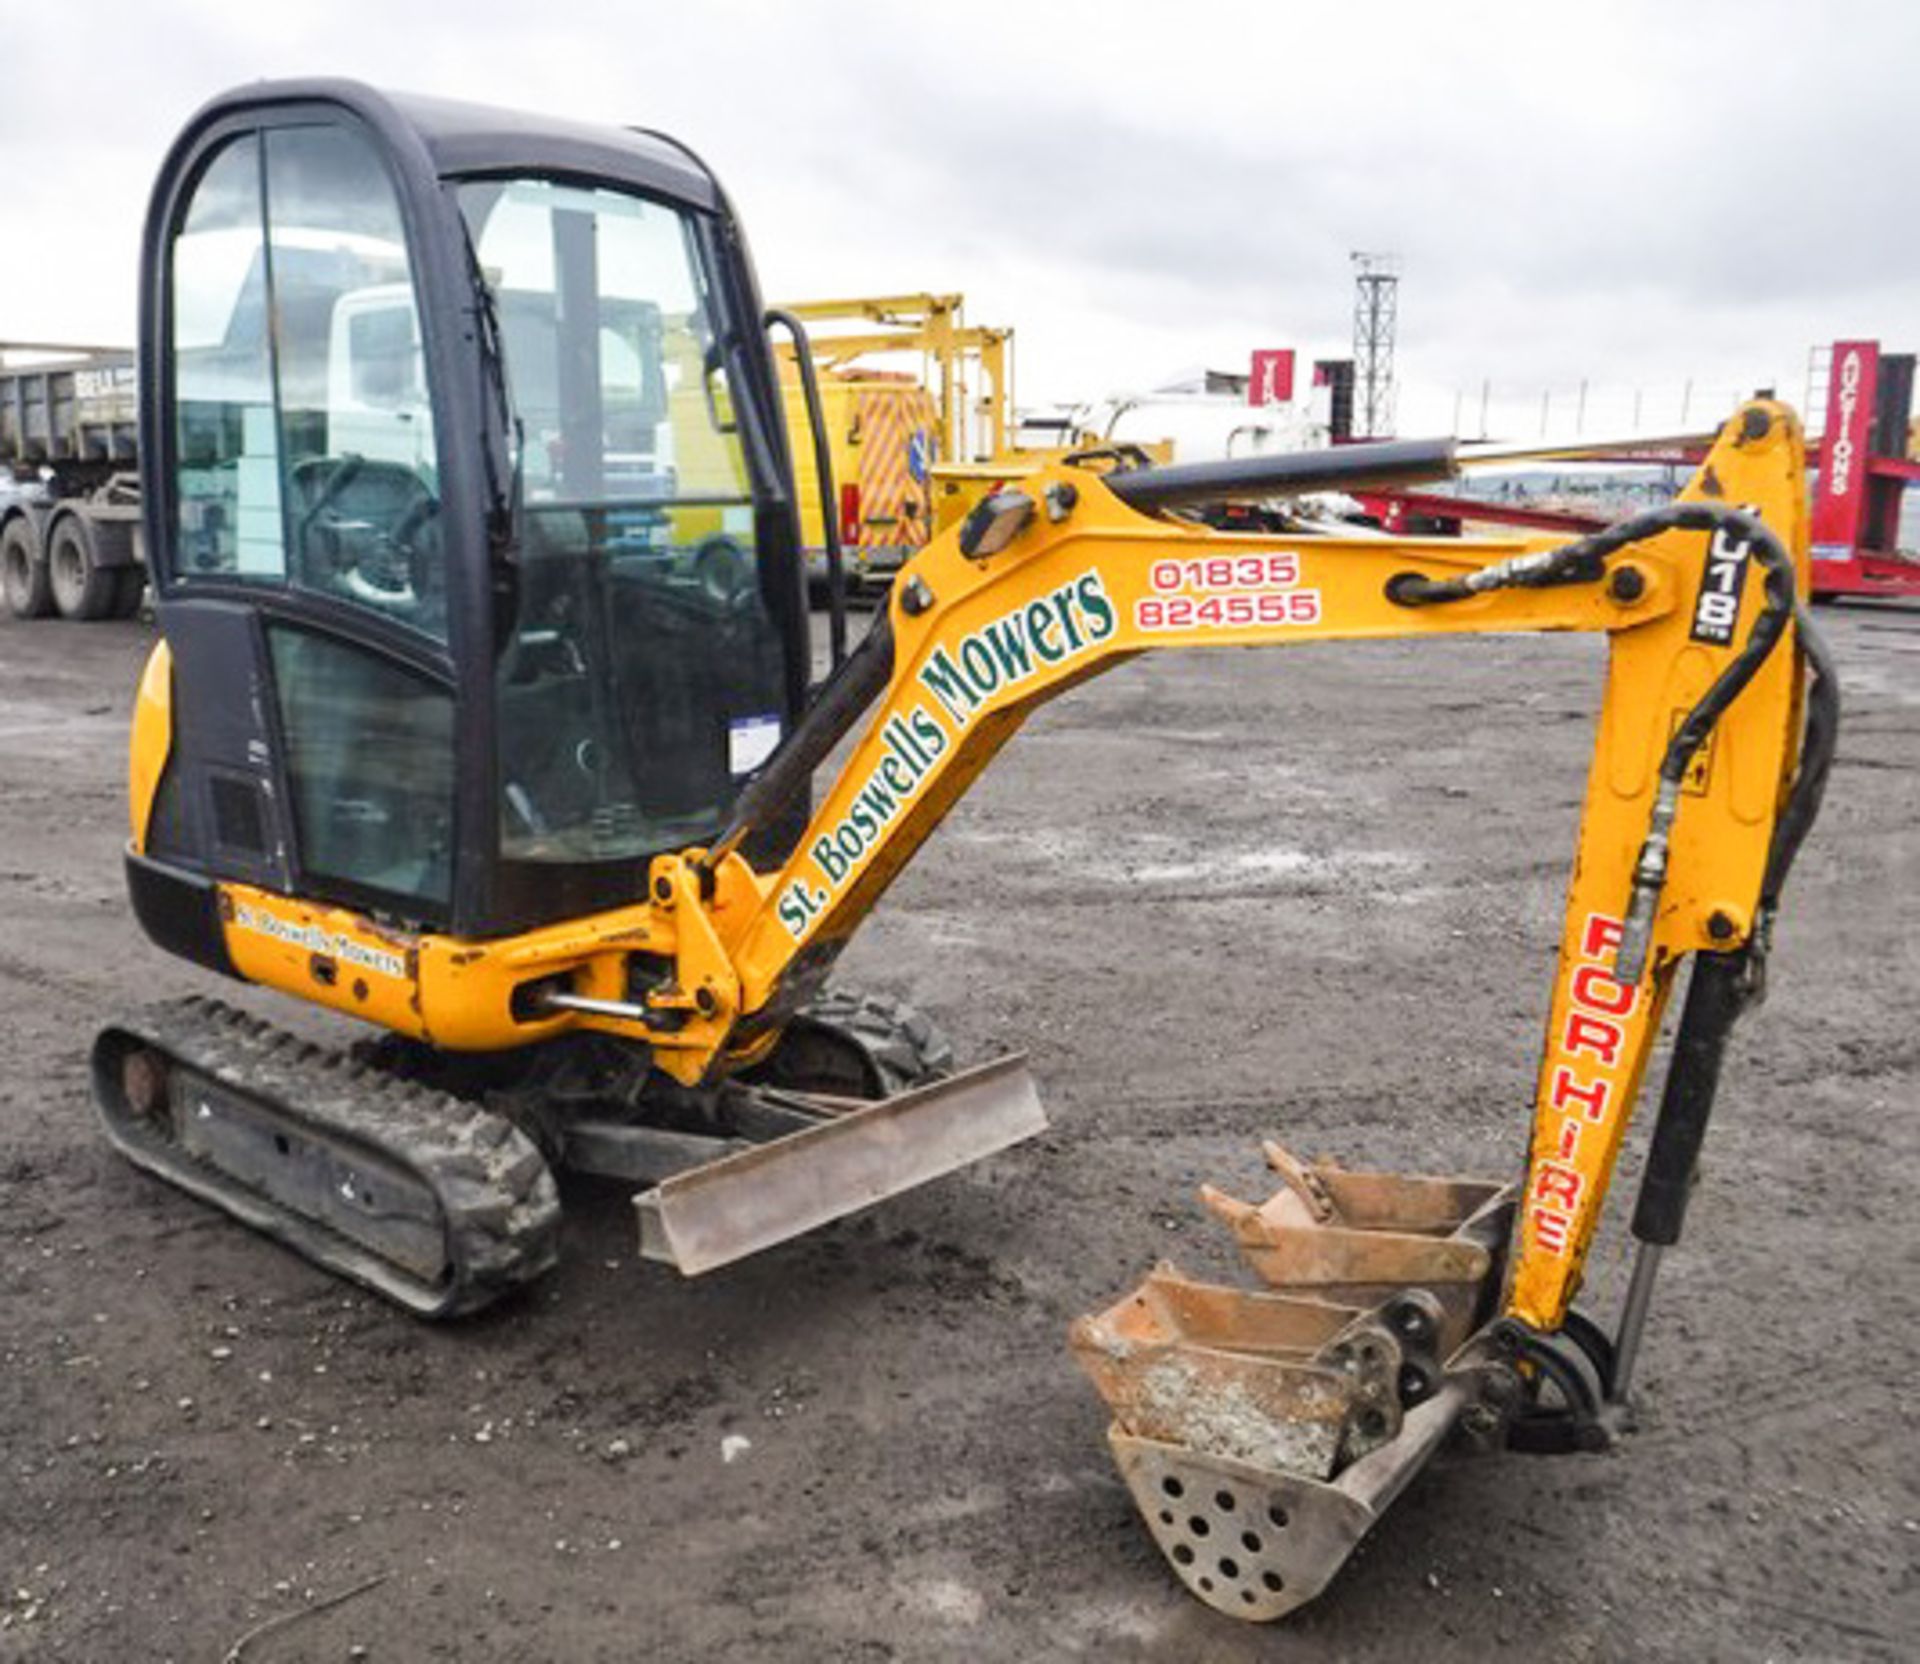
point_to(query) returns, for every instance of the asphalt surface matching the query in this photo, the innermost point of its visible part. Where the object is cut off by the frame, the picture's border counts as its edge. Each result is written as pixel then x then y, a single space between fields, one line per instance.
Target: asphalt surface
pixel 1214 897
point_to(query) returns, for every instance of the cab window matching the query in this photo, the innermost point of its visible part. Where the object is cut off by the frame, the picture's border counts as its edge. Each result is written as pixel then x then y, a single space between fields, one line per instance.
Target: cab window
pixel 641 676
pixel 359 475
pixel 227 440
pixel 305 439
pixel 370 759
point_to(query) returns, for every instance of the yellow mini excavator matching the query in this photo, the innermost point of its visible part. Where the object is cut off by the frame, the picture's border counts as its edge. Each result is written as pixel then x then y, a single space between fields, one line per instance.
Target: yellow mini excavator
pixel 483 713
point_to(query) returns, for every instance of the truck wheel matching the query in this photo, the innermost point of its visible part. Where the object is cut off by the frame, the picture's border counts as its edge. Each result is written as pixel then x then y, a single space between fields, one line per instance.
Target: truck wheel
pixel 23 570
pixel 83 589
pixel 130 590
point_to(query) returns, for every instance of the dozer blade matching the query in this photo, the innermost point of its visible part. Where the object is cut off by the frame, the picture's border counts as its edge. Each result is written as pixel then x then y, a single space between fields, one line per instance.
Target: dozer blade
pixel 711 1215
pixel 1262 1433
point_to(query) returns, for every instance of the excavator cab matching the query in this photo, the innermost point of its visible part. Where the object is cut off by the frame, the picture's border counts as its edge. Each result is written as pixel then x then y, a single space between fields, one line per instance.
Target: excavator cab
pixel 470 505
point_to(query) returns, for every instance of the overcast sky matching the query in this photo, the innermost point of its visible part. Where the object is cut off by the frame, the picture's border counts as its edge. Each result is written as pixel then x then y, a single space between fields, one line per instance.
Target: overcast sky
pixel 1637 196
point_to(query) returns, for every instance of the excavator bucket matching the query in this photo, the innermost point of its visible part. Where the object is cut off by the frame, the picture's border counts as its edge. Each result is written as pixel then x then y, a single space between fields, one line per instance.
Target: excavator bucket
pixel 1261 1433
pixel 1363 1238
pixel 1264 1378
pixel 1254 1541
pixel 710 1215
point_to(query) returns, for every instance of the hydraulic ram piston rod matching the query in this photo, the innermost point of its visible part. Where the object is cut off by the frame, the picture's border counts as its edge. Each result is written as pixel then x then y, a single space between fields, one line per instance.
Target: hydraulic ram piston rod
pixel 1288 474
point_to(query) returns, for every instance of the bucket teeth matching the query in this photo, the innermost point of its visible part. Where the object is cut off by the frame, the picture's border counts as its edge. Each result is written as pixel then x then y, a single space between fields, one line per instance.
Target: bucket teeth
pixel 1261 1431
pixel 1303 1181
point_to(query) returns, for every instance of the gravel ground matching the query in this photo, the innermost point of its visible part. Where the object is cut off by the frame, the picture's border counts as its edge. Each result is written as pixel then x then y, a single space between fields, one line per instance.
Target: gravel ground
pixel 1213 897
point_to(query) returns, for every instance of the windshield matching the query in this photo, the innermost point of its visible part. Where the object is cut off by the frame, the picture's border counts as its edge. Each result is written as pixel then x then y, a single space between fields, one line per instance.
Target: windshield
pixel 642 676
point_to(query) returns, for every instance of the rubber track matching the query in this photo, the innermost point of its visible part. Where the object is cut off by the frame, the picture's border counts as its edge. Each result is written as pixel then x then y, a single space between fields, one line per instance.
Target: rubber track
pixel 499 1206
pixel 901 1043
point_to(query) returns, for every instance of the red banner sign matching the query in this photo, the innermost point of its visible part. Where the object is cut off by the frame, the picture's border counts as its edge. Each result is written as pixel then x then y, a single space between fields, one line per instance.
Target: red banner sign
pixel 1840 501
pixel 1272 378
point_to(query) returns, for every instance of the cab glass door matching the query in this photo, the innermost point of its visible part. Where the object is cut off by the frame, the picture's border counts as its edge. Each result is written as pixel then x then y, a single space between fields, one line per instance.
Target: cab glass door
pixel 306 482
pixel 642 675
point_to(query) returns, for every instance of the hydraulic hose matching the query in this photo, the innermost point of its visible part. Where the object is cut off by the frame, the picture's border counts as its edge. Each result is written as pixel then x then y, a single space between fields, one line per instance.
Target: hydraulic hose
pixel 1722 986
pixel 1776 608
pixel 1817 747
pixel 1584 561
pixel 861 679
pixel 1384 462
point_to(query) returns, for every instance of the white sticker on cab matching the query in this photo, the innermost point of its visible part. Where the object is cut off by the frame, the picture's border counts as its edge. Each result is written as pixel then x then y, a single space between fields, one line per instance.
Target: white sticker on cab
pixel 750 742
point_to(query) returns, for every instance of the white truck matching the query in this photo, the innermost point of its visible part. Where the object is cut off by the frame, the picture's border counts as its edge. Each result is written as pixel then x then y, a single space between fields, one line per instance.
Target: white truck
pixel 70 526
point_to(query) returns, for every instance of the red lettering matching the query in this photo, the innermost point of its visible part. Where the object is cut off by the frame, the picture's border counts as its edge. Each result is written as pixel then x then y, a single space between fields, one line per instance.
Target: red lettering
pixel 1590 988
pixel 1591 1099
pixel 1593 1034
pixel 1603 935
pixel 1550 1230
pixel 1558 1184
pixel 1569 1139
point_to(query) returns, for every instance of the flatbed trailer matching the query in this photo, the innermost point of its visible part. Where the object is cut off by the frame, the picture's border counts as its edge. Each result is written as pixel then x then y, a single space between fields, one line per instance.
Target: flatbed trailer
pixel 70 534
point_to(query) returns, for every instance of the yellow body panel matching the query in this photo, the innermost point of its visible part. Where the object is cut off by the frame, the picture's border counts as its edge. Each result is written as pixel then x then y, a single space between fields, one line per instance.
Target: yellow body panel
pixel 957 486
pixel 1087 584
pixel 152 740
pixel 460 994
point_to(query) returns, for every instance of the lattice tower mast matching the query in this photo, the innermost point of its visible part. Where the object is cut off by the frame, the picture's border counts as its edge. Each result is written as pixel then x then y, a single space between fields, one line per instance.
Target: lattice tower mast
pixel 1376 305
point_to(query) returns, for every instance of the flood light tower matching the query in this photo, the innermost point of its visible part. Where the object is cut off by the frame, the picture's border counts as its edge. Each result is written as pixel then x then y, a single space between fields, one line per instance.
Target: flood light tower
pixel 1376 303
